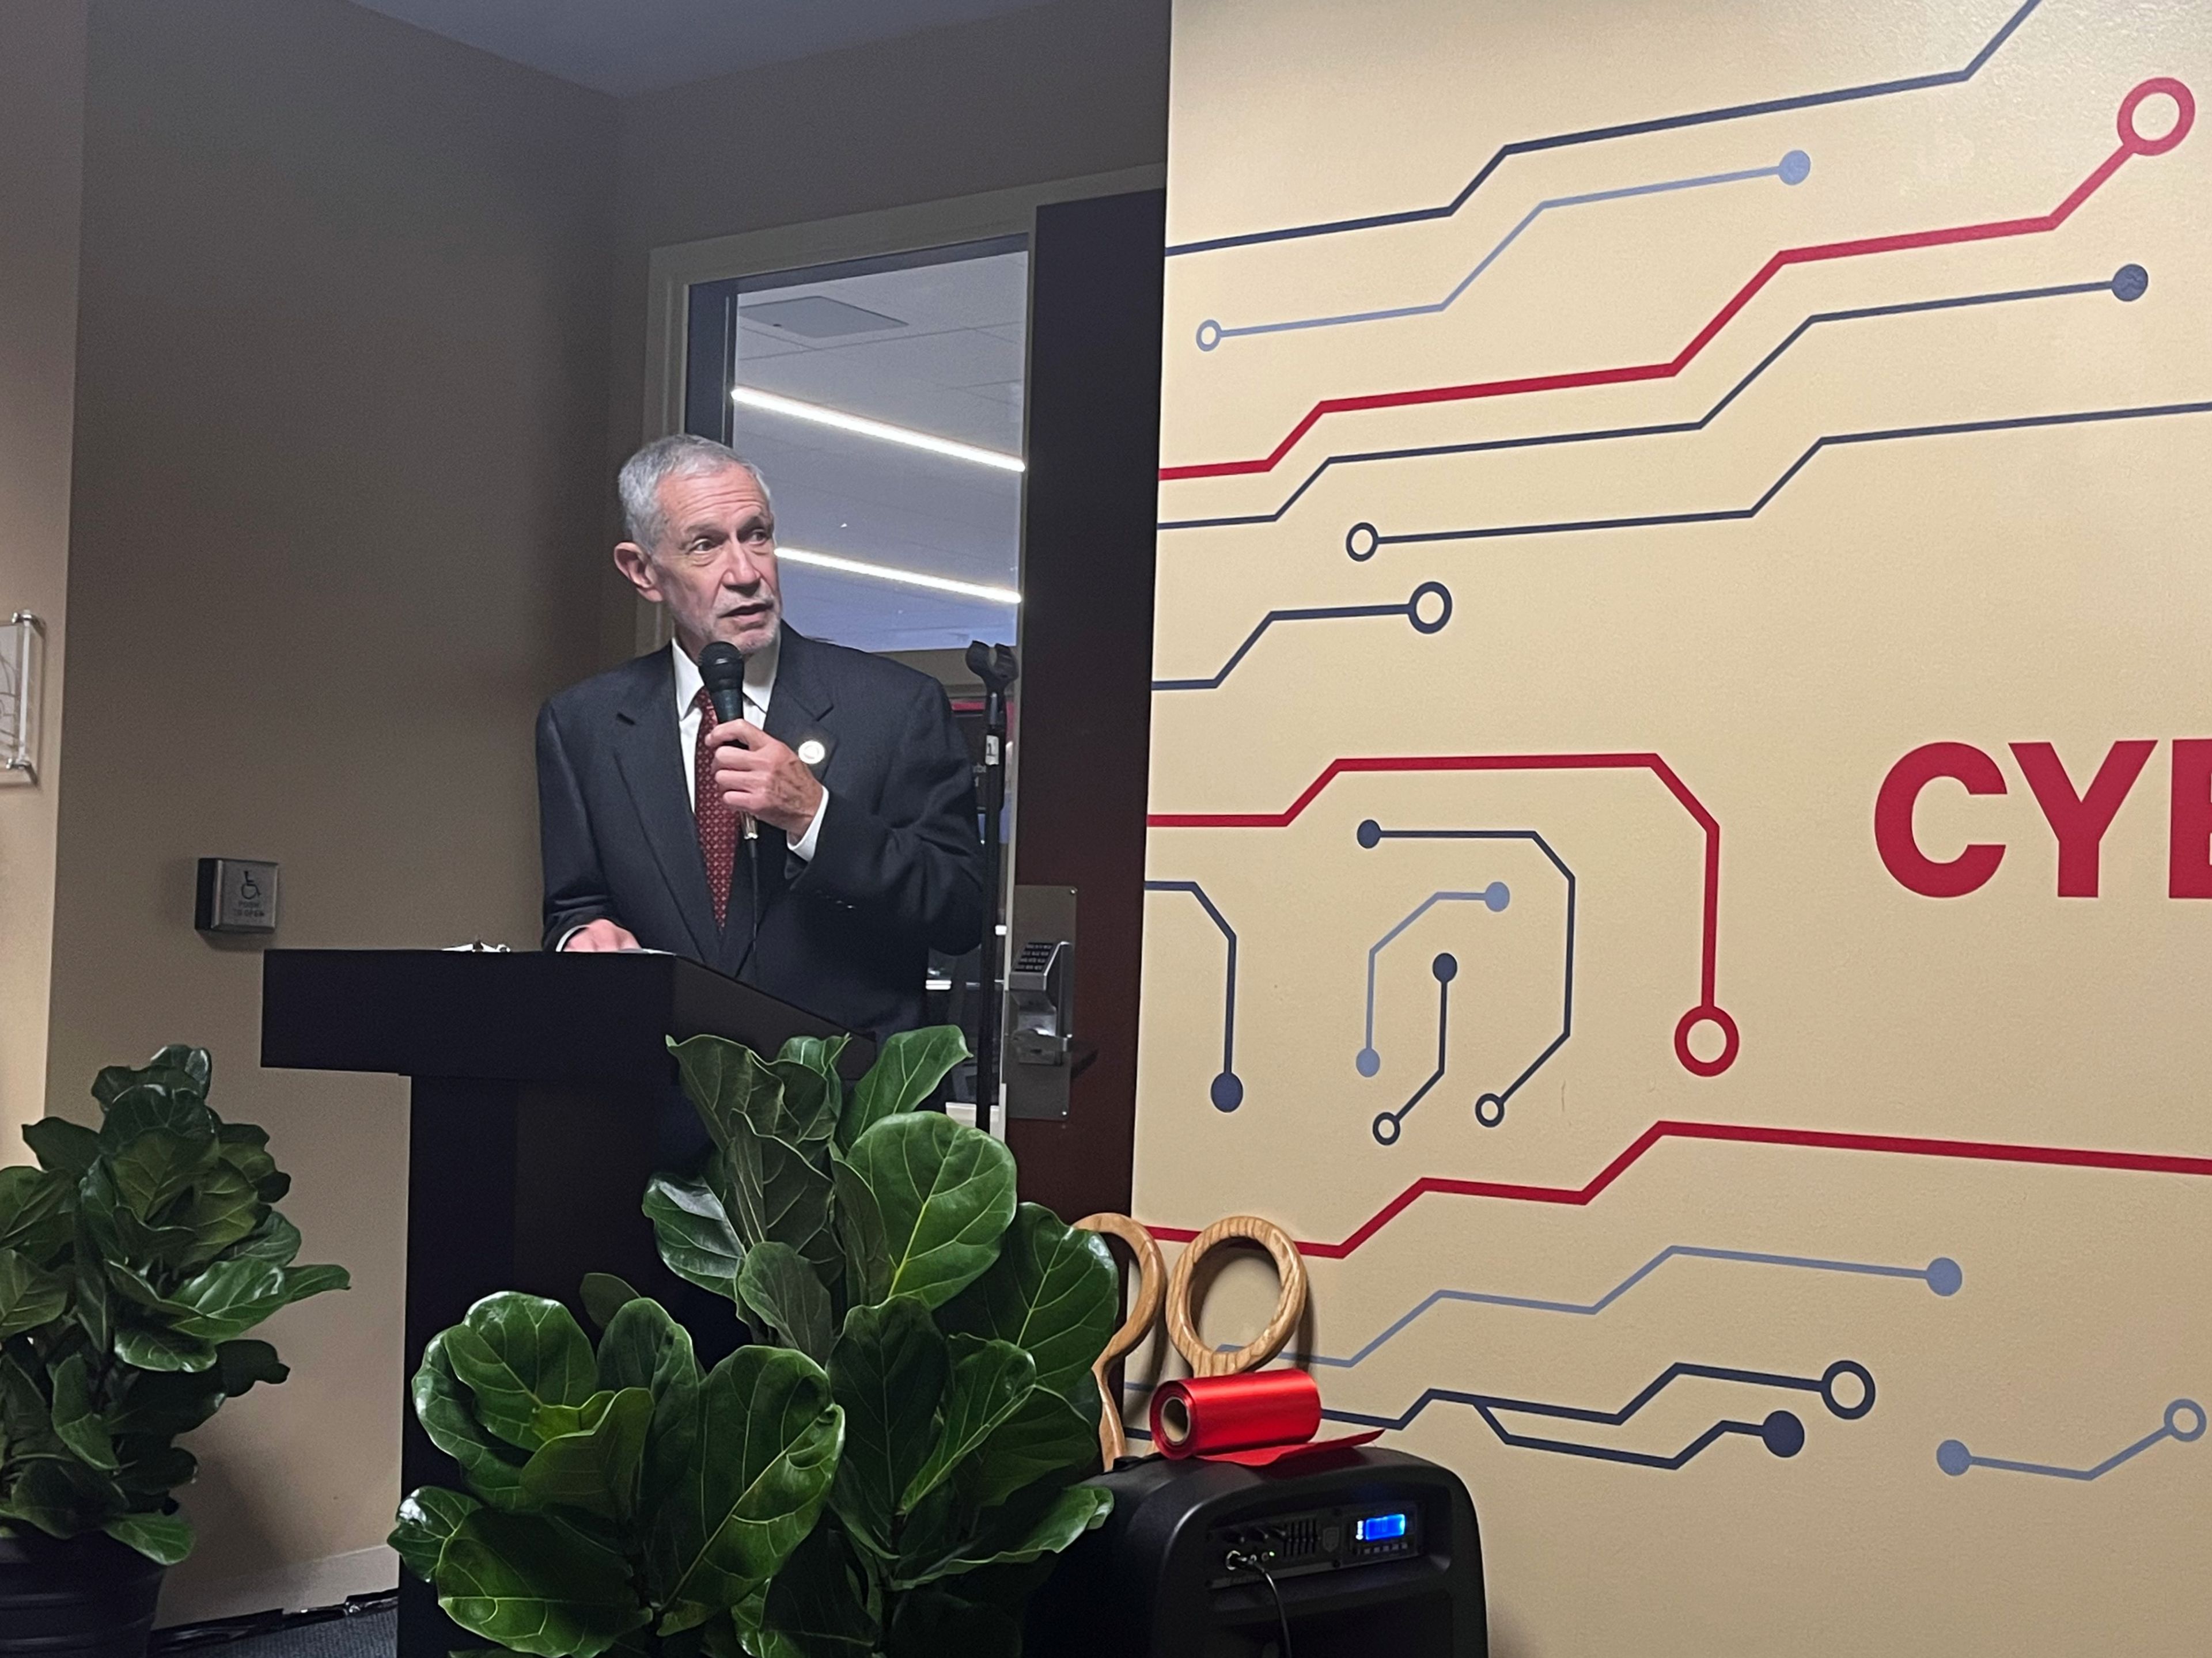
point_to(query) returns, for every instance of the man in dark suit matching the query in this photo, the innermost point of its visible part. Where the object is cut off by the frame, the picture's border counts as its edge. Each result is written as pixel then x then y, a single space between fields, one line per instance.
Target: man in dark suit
pixel 849 765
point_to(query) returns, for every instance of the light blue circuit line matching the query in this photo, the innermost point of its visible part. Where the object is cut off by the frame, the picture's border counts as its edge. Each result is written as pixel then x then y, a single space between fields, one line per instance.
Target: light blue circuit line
pixel 1791 169
pixel 1941 1275
pixel 2183 1422
pixel 1493 897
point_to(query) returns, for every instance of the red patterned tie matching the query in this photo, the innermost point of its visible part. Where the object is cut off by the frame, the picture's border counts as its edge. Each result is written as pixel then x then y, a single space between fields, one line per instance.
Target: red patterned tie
pixel 718 824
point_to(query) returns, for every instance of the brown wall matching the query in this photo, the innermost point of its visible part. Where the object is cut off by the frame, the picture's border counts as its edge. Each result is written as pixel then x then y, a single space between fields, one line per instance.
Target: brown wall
pixel 341 403
pixel 41 161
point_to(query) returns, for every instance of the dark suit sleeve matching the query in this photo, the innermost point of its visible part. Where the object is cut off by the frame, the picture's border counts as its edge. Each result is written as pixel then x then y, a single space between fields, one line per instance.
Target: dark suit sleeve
pixel 575 887
pixel 916 862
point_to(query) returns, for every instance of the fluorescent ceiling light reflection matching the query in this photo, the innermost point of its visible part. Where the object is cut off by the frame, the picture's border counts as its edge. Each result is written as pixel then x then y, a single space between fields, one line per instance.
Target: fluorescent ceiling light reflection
pixel 941 584
pixel 747 397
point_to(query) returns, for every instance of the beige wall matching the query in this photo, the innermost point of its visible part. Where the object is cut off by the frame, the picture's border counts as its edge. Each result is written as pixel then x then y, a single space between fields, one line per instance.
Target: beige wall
pixel 41 161
pixel 341 405
pixel 1963 1142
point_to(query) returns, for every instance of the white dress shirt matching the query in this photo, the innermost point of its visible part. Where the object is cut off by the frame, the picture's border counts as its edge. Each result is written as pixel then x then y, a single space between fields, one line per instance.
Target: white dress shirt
pixel 760 685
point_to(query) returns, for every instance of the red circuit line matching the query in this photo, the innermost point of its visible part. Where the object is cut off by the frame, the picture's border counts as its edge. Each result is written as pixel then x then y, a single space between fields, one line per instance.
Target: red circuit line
pixel 1708 970
pixel 1950 235
pixel 2144 1163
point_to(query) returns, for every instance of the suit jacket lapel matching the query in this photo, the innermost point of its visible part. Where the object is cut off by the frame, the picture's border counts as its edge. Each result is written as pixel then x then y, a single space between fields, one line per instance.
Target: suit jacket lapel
pixel 653 769
pixel 796 711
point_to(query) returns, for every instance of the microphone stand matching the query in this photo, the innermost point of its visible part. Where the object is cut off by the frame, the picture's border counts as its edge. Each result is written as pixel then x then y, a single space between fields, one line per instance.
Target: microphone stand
pixel 995 666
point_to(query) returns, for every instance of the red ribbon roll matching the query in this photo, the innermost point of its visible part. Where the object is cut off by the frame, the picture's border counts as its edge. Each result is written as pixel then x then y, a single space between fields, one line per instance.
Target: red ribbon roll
pixel 1207 1416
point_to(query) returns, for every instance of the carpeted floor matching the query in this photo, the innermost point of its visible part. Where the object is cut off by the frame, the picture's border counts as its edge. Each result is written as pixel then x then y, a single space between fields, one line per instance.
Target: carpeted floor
pixel 372 1632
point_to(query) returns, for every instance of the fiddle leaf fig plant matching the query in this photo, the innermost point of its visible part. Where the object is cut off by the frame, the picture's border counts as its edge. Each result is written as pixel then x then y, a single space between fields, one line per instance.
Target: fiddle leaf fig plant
pixel 888 1469
pixel 133 1262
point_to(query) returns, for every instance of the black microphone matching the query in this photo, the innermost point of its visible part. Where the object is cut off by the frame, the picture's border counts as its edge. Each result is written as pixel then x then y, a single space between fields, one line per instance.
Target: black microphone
pixel 722 667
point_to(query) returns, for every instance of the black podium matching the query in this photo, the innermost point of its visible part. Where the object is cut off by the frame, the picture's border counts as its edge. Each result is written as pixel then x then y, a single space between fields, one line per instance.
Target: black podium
pixel 537 1081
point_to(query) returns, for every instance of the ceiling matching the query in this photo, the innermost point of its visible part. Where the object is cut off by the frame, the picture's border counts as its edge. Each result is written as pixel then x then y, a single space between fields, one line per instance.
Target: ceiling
pixel 947 360
pixel 626 46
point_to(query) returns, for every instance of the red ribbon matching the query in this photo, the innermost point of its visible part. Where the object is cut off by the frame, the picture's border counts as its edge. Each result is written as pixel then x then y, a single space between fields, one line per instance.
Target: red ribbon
pixel 1254 1419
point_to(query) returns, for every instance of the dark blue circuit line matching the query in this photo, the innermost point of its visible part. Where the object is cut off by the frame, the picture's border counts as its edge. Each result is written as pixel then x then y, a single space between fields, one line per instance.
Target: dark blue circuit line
pixel 1388 1124
pixel 1781 1431
pixel 1227 1091
pixel 2129 282
pixel 1364 535
pixel 1626 129
pixel 1490 1109
pixel 1411 610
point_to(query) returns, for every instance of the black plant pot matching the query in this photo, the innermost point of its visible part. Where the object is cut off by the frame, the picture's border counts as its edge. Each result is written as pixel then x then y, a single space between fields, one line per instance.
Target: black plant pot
pixel 89 1597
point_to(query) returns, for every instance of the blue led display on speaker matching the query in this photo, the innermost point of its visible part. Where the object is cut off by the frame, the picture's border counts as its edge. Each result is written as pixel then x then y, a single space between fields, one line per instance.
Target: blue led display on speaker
pixel 1380 1528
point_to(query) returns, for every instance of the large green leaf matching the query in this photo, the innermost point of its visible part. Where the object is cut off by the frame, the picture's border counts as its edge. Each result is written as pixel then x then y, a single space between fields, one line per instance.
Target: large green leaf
pixel 273 1239
pixel 77 1419
pixel 861 1233
pixel 729 1083
pixel 37 1212
pixel 775 1191
pixel 888 1371
pixel 643 1347
pixel 447 1412
pixel 242 1364
pixel 161 1405
pixel 158 1347
pixel 768 1439
pixel 224 1209
pixel 150 1470
pixel 165 1538
pixel 197 1064
pixel 1049 1434
pixel 157 1165
pixel 516 1354
pixel 817 1053
pixel 156 1103
pixel 908 1069
pixel 780 1286
pixel 245 1147
pixel 427 1519
pixel 818 1605
pixel 1039 1521
pixel 62 1497
pixel 990 1381
pixel 534 1585
pixel 26 1424
pixel 29 1296
pixel 232 1297
pixel 695 1234
pixel 945 1193
pixel 1053 1291
pixel 596 1466
pixel 65 1147
pixel 604 1295
pixel 813 1102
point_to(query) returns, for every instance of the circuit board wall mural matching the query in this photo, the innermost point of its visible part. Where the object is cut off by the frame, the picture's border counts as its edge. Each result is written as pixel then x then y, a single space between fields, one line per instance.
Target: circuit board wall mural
pixel 1681 799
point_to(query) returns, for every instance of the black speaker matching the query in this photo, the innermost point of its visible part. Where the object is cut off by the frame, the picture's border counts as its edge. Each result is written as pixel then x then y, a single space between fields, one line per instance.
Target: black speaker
pixel 1371 1552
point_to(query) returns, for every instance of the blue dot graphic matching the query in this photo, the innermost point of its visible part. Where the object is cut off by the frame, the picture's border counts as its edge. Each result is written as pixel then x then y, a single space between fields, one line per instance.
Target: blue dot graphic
pixel 1782 1434
pixel 1228 1091
pixel 1371 834
pixel 2130 283
pixel 1368 1062
pixel 1944 1276
pixel 1796 167
pixel 1445 967
pixel 1954 1458
pixel 1495 897
pixel 1209 335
